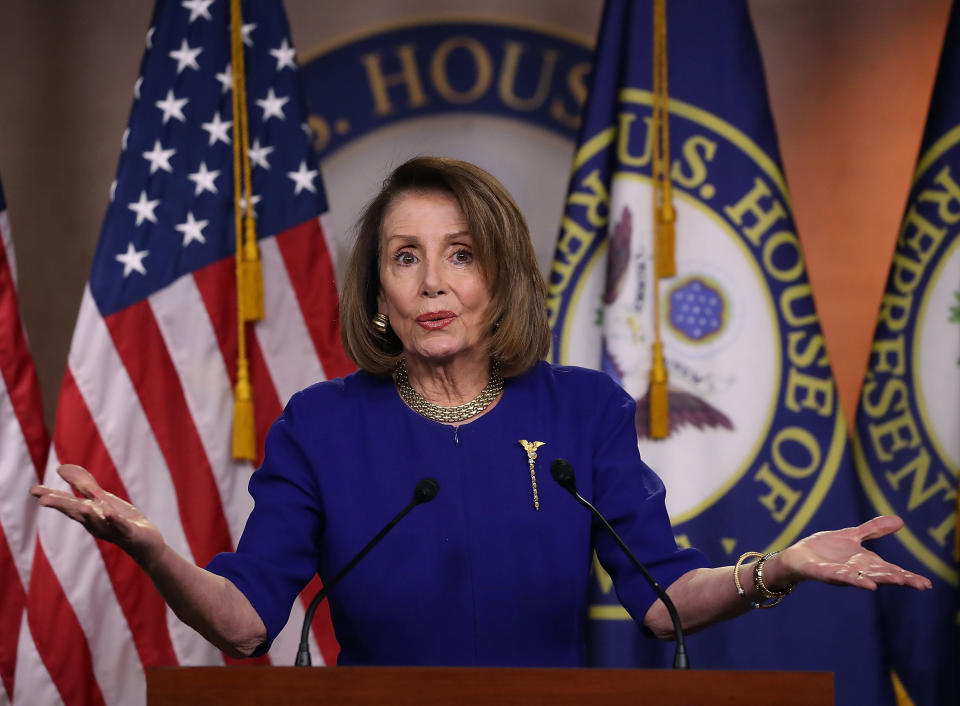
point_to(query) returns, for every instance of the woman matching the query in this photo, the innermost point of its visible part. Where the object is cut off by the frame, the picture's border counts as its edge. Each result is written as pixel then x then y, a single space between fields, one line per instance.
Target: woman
pixel 444 312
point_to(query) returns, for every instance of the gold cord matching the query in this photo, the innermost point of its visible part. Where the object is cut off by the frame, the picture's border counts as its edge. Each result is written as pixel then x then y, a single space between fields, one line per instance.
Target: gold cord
pixel 664 264
pixel 244 428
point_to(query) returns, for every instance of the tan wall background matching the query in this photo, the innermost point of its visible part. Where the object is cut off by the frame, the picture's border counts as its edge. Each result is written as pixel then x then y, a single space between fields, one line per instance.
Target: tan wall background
pixel 849 83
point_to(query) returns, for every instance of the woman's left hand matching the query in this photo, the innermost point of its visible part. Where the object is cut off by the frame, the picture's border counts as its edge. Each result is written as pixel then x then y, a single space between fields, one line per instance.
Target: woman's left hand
pixel 705 596
pixel 838 557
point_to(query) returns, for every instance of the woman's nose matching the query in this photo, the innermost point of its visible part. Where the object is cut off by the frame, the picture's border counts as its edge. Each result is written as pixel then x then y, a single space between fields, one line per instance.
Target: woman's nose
pixel 432 284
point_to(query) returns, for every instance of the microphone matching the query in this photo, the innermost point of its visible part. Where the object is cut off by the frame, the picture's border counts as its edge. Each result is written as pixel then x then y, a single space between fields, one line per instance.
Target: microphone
pixel 563 474
pixel 425 491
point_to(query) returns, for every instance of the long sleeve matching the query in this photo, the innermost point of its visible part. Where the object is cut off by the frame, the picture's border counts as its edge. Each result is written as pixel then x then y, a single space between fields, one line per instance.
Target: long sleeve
pixel 631 497
pixel 278 552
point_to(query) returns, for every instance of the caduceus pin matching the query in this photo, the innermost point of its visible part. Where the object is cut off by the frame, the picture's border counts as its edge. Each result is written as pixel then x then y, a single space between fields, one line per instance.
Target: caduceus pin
pixel 531 448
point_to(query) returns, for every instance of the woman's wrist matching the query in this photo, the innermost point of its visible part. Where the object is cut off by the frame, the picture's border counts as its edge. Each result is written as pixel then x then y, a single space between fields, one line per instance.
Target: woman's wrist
pixel 779 571
pixel 149 556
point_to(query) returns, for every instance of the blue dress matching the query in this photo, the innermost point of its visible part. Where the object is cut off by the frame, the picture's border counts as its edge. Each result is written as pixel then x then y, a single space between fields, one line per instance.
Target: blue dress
pixel 477 576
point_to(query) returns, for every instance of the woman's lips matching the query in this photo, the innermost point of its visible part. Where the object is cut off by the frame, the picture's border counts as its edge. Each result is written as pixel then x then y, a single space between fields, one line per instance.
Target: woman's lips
pixel 435 320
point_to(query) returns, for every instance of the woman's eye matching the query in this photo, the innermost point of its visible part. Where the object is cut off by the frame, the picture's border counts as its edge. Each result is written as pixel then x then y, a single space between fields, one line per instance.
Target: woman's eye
pixel 405 257
pixel 463 257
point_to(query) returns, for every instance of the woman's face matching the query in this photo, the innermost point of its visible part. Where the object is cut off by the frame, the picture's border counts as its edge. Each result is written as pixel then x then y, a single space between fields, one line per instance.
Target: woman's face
pixel 430 283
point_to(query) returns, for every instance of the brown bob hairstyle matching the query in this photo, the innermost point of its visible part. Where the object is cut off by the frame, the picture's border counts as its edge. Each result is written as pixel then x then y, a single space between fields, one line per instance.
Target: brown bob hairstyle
pixel 517 314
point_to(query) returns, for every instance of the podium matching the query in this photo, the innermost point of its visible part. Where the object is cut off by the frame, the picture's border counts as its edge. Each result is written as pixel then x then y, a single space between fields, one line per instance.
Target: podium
pixel 436 686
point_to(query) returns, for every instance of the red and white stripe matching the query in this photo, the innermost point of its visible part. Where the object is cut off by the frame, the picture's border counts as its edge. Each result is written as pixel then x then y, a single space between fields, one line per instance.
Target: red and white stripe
pixel 146 405
pixel 23 448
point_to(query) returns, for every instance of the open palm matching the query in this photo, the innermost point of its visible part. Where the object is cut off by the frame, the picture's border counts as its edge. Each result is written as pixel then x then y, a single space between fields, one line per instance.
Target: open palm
pixel 103 514
pixel 839 557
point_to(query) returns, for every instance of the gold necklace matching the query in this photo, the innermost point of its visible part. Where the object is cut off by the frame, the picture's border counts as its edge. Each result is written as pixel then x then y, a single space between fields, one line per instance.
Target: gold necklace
pixel 425 408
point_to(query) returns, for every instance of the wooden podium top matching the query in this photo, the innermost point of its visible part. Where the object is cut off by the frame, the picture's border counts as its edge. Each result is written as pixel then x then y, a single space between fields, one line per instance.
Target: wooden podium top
pixel 361 686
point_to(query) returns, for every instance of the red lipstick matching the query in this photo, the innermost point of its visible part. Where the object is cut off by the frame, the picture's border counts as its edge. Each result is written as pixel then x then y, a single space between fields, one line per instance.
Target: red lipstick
pixel 435 320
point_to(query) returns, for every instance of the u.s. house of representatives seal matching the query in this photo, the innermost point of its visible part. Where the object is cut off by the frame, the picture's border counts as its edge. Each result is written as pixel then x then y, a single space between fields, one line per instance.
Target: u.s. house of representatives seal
pixel 503 94
pixel 908 433
pixel 755 429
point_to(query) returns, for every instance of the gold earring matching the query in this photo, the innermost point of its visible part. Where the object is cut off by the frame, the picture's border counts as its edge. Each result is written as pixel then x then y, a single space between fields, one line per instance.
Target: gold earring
pixel 380 322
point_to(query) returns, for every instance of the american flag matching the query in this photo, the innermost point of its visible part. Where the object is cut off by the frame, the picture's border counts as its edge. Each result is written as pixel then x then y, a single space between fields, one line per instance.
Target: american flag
pixel 23 452
pixel 146 400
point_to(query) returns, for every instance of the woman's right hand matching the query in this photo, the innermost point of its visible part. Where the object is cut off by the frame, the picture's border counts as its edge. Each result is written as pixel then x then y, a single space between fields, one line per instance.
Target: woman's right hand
pixel 102 514
pixel 208 603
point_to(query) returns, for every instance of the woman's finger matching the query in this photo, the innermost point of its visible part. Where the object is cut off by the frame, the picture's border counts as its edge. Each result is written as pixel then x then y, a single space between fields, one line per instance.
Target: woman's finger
pixel 878 527
pixel 40 491
pixel 887 573
pixel 59 499
pixel 80 479
pixel 75 508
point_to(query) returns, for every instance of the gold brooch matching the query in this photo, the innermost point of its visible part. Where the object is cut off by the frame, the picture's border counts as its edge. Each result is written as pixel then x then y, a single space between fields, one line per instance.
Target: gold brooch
pixel 531 448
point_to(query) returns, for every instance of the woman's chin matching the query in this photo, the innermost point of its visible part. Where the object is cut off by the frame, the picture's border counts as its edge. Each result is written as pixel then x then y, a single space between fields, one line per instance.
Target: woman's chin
pixel 438 357
pixel 443 354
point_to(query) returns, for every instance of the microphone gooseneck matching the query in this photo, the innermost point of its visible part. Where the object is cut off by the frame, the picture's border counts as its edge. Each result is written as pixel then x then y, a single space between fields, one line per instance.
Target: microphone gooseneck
pixel 425 491
pixel 563 474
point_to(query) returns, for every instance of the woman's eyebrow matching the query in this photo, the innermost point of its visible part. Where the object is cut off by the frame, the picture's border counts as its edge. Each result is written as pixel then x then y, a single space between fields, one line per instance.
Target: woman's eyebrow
pixel 406 239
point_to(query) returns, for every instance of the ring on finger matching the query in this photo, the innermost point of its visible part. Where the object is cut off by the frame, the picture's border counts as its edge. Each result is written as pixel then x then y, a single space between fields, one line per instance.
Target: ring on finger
pixel 860 574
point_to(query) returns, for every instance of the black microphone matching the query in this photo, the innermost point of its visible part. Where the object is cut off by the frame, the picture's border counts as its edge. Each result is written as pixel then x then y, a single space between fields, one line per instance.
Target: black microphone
pixel 425 491
pixel 562 472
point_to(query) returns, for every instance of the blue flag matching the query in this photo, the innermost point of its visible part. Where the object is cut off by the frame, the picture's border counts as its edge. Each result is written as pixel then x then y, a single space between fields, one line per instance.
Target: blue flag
pixel 757 454
pixel 907 444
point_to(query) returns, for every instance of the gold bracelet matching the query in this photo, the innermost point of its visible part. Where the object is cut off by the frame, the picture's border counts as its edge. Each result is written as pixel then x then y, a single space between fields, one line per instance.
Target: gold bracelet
pixel 774 596
pixel 736 574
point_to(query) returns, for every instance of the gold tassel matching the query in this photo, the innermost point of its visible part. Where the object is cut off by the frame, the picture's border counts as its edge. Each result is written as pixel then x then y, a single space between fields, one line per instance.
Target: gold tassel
pixel 251 274
pixel 659 404
pixel 666 241
pixel 244 429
